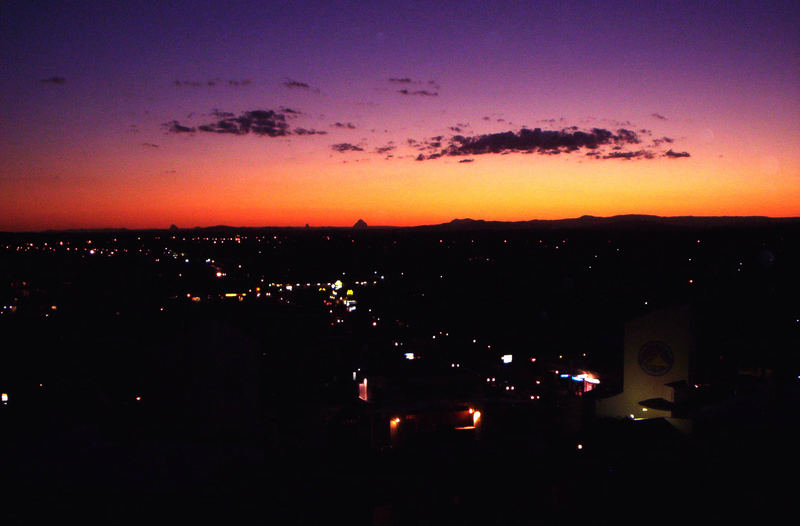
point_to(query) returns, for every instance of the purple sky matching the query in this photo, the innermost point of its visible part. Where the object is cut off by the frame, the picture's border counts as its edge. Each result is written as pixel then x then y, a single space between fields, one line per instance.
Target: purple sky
pixel 87 88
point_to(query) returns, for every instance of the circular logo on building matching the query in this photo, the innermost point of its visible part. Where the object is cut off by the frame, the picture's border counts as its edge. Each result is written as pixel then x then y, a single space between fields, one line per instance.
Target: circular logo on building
pixel 655 358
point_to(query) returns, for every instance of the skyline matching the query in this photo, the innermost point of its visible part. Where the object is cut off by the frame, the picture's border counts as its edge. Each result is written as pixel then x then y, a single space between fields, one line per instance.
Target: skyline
pixel 144 116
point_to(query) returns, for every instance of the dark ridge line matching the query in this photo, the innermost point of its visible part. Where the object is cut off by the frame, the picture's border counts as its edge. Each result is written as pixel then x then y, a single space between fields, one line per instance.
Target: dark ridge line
pixel 587 221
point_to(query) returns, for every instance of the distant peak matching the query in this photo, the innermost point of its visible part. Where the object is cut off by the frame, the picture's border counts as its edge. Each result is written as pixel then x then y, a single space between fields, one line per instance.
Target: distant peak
pixel 173 227
pixel 360 224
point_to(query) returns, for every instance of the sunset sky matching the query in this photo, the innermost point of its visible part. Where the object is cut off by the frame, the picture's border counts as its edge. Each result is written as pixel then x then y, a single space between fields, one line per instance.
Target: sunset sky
pixel 144 114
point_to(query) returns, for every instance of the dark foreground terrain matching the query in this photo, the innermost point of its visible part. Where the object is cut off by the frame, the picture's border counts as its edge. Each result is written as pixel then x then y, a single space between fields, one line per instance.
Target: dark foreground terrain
pixel 173 375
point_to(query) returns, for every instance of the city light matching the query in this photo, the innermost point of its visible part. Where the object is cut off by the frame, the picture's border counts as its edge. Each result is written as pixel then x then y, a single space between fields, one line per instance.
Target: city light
pixel 362 390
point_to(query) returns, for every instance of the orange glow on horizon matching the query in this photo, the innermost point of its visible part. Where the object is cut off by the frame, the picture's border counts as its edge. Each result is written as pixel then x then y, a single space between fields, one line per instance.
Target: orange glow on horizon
pixel 400 193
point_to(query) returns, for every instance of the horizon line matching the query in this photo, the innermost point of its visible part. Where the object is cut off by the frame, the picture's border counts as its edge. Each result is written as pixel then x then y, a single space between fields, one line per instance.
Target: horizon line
pixel 455 221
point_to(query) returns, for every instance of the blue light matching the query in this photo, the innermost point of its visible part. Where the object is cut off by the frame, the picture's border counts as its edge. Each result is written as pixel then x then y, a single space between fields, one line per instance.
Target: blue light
pixel 577 379
pixel 564 375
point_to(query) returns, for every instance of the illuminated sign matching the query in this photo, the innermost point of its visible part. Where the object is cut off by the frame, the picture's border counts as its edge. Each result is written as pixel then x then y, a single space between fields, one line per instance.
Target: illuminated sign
pixel 656 358
pixel 362 390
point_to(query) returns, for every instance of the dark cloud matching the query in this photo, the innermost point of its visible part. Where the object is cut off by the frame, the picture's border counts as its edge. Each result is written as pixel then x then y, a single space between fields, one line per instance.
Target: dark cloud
pixel 176 127
pixel 257 122
pixel 405 80
pixel 662 140
pixel 385 149
pixel 658 116
pixel 601 143
pixel 421 92
pixel 289 111
pixel 209 83
pixel 433 143
pixel 456 129
pixel 346 147
pixel 54 80
pixel 149 145
pixel 430 145
pixel 675 155
pixel 310 131
pixel 640 154
pixel 290 83
pixel 624 136
pixel 466 160
pixel 538 140
pixel 348 125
